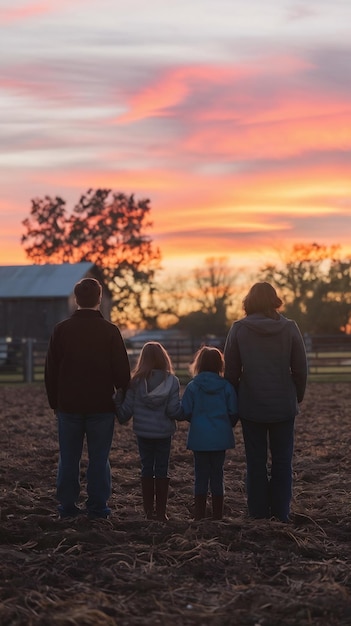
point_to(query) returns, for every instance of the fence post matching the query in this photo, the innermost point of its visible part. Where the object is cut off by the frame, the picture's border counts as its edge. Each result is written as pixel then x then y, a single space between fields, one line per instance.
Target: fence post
pixel 29 361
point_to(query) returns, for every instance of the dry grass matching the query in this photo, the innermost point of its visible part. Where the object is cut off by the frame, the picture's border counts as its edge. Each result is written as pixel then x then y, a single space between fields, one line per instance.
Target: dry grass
pixel 127 572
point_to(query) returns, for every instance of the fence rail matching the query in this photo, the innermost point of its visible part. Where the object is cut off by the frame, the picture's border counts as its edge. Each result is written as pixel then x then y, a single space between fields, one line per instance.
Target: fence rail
pixel 23 360
pixel 329 357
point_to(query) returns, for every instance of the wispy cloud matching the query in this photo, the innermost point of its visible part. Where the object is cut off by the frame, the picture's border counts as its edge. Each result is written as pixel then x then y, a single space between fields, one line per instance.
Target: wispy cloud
pixel 23 11
pixel 234 121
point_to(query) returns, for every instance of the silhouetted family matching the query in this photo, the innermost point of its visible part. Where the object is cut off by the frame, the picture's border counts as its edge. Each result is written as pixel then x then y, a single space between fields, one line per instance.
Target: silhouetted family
pixel 259 379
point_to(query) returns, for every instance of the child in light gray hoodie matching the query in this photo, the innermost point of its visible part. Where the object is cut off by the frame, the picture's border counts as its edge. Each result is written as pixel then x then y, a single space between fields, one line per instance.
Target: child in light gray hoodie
pixel 153 400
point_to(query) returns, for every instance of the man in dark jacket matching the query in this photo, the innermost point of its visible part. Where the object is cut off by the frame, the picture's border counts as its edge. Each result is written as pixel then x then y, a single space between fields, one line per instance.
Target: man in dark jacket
pixel 265 360
pixel 86 361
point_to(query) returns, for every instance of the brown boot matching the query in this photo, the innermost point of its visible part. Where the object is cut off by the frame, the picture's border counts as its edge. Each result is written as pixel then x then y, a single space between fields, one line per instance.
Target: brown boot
pixel 161 485
pixel 200 507
pixel 148 490
pixel 217 507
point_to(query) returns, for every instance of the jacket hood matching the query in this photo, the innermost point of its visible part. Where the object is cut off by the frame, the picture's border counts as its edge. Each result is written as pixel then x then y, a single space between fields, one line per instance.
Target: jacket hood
pixel 263 325
pixel 209 382
pixel 156 389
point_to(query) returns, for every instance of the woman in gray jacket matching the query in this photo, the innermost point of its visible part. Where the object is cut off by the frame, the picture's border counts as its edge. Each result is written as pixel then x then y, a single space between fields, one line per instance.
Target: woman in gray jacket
pixel 154 403
pixel 265 360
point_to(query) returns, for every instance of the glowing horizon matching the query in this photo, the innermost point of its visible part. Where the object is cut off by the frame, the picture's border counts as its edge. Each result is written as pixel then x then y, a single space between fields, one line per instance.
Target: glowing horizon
pixel 237 128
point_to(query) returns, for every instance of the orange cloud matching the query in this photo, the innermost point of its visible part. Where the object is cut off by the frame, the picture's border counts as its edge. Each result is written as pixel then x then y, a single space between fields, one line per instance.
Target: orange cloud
pixel 272 140
pixel 12 254
pixel 179 196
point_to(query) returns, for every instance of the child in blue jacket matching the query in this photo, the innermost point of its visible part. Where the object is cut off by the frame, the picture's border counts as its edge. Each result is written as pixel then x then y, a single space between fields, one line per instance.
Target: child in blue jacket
pixel 209 403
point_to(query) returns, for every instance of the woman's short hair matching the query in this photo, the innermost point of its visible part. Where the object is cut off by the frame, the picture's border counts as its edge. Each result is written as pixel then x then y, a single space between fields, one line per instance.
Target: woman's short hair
pixel 262 298
pixel 207 359
pixel 88 293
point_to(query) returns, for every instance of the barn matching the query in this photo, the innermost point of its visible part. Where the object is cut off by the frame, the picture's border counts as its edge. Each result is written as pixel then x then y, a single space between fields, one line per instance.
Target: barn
pixel 33 298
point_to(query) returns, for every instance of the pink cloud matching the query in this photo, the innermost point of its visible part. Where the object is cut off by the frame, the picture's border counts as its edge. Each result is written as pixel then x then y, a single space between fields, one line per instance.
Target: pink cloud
pixel 282 131
pixel 174 86
pixel 245 117
pixel 172 89
pixel 33 9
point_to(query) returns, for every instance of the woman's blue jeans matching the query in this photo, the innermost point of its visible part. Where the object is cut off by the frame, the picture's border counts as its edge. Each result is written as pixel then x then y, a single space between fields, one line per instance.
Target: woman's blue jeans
pixel 154 456
pixel 208 467
pixel 269 495
pixel 72 429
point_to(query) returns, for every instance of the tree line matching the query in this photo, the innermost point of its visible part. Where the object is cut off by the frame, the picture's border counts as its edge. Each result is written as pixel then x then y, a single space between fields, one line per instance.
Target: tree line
pixel 111 230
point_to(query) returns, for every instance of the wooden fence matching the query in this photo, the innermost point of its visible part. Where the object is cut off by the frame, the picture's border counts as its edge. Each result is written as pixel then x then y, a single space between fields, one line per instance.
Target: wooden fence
pixel 329 358
pixel 24 360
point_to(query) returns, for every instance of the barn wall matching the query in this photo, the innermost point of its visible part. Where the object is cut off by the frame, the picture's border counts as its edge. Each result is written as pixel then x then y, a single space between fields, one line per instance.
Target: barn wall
pixel 27 317
pixel 36 318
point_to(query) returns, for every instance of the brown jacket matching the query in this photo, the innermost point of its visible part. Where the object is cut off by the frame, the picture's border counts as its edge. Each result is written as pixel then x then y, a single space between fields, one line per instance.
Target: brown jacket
pixel 86 361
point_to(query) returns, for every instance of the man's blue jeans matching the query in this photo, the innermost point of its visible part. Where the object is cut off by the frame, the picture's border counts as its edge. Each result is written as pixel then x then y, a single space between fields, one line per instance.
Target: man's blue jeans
pixel 208 467
pixel 269 496
pixel 154 456
pixel 72 429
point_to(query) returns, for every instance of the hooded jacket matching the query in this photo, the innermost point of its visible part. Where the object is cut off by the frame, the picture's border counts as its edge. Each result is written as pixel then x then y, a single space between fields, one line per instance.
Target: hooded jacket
pixel 154 404
pixel 265 360
pixel 209 403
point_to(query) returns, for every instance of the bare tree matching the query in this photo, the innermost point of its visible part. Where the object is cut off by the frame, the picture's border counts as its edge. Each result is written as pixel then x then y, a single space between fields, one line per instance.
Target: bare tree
pixel 315 283
pixel 200 301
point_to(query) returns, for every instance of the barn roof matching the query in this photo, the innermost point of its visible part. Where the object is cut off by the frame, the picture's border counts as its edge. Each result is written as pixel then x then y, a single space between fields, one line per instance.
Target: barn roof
pixel 41 281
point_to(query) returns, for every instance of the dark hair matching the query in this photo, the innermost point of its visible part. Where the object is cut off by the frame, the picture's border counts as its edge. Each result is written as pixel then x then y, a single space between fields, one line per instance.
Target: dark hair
pixel 153 356
pixel 262 298
pixel 207 359
pixel 88 293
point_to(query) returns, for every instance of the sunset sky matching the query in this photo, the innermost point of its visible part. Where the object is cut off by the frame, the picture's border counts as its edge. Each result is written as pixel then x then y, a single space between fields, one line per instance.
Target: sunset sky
pixel 233 118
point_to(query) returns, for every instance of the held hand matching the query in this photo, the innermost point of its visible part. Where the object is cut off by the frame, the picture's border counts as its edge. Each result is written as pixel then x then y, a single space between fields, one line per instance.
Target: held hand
pixel 118 397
